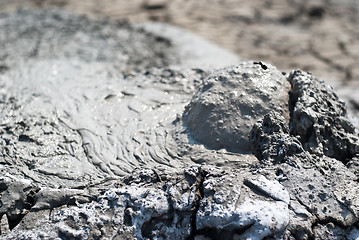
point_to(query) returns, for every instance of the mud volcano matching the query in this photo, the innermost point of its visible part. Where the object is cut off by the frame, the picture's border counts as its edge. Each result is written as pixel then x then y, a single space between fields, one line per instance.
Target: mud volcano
pixel 228 103
pixel 117 131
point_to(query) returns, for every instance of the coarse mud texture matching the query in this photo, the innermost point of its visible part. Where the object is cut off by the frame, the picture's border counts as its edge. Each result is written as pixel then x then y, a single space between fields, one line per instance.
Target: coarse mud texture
pixel 319 118
pixel 270 139
pixel 170 205
pixel 99 148
pixel 207 203
pixel 228 103
pixel 319 208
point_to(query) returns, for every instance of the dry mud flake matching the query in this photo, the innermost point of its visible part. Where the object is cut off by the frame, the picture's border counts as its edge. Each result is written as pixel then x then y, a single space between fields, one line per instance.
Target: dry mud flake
pixel 77 124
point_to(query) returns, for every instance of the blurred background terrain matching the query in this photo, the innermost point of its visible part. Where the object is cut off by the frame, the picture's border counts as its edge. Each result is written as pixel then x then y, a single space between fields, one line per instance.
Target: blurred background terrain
pixel 320 36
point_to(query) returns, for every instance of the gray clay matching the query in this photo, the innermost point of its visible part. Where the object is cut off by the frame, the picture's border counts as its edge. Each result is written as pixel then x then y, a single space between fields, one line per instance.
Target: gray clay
pixel 319 118
pixel 117 131
pixel 228 103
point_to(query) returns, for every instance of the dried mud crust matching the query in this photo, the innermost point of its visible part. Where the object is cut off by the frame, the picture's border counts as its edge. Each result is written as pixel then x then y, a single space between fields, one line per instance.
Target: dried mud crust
pixel 90 151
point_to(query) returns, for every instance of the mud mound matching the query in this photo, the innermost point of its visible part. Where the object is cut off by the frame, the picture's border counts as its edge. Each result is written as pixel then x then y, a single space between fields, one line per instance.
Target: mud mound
pixel 228 103
pixel 96 143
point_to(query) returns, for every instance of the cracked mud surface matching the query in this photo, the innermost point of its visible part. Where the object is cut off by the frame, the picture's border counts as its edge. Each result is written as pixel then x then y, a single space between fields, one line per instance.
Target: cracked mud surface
pixel 96 142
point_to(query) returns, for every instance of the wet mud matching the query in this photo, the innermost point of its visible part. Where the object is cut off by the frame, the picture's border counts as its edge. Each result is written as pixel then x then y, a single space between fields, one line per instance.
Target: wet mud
pixel 228 103
pixel 114 130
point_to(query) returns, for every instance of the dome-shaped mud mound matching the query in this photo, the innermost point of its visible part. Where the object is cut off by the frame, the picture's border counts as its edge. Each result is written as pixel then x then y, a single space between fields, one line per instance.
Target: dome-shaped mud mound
pixel 228 103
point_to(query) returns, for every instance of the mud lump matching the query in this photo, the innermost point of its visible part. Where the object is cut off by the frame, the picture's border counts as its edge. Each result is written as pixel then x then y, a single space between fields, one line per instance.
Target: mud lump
pixel 228 103
pixel 319 118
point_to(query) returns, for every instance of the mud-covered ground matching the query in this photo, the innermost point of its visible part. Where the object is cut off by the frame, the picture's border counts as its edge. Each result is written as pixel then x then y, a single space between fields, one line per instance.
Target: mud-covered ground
pixel 319 36
pixel 143 131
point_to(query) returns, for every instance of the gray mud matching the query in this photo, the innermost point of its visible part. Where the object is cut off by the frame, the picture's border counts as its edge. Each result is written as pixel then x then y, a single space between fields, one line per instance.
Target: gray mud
pixel 228 103
pixel 111 130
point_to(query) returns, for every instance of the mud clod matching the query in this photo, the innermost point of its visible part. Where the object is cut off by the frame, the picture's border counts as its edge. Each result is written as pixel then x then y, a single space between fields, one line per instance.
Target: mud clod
pixel 319 118
pixel 271 140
